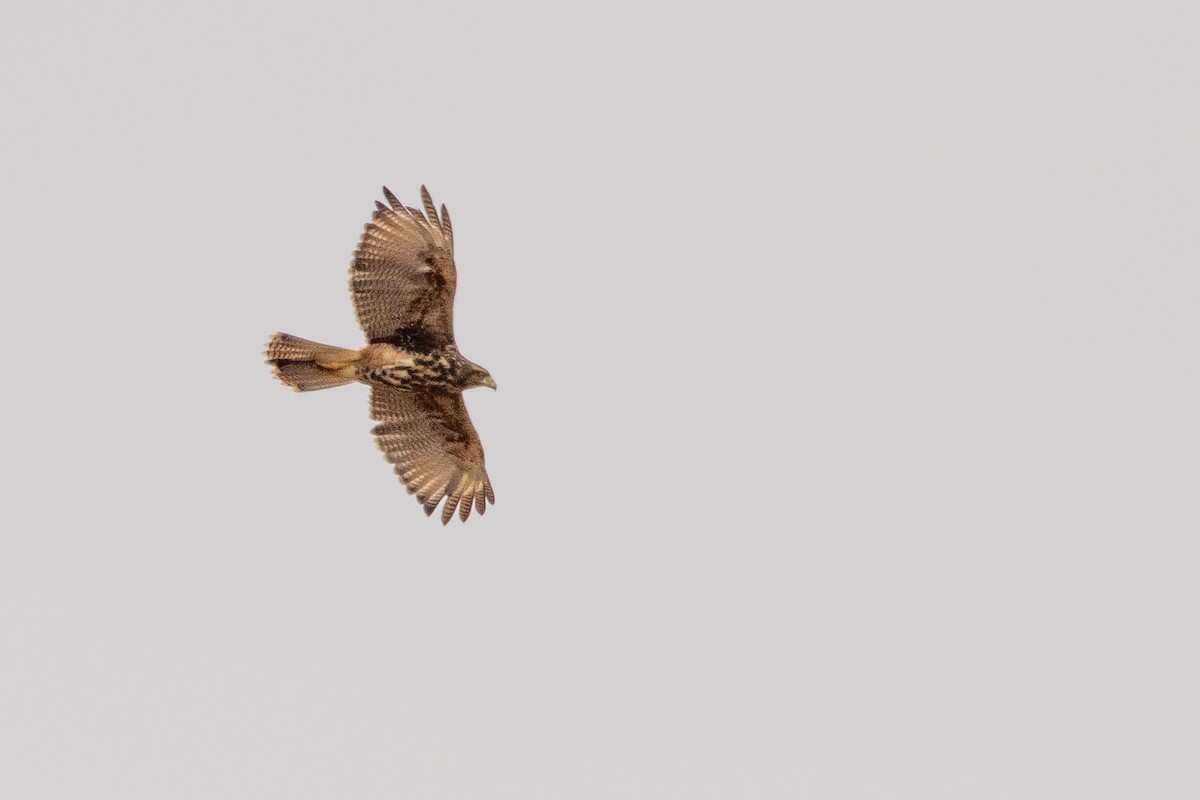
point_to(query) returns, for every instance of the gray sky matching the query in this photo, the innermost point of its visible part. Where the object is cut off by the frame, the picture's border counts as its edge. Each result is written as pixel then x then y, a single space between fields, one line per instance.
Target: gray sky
pixel 846 440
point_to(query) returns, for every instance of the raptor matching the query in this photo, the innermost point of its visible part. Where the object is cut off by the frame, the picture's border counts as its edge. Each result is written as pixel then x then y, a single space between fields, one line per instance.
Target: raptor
pixel 402 281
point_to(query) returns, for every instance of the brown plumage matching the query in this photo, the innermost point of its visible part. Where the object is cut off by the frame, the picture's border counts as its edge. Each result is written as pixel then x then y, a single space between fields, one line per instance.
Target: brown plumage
pixel 402 281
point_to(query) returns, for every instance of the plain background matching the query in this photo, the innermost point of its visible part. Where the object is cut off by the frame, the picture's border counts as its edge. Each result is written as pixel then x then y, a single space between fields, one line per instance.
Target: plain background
pixel 846 442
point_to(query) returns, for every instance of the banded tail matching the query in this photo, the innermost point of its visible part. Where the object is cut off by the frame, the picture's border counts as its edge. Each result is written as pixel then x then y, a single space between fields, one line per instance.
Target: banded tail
pixel 307 366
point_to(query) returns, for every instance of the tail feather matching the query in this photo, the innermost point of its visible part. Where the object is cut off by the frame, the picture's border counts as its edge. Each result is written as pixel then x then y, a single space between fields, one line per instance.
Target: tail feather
pixel 307 366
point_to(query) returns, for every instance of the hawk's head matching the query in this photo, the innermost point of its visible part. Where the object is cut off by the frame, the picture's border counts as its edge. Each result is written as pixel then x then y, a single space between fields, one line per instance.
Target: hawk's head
pixel 475 375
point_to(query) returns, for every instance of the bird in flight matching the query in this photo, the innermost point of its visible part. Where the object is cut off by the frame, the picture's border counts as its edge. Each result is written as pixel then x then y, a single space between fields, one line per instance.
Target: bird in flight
pixel 403 280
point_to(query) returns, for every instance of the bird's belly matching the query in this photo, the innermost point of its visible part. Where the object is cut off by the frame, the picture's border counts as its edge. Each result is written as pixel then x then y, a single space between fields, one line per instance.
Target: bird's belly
pixel 409 378
pixel 400 377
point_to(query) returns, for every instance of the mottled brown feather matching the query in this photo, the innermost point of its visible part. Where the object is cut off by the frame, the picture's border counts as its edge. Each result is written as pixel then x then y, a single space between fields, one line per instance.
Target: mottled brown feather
pixel 430 208
pixel 403 275
pixel 434 447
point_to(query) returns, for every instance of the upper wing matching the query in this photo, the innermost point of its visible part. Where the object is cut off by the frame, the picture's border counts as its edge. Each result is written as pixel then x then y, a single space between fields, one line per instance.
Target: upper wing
pixel 435 448
pixel 403 276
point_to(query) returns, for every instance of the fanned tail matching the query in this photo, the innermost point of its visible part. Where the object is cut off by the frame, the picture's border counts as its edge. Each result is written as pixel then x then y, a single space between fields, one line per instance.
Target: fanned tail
pixel 308 366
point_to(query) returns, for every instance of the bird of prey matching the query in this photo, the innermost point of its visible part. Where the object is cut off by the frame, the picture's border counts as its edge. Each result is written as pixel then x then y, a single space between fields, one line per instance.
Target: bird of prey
pixel 402 280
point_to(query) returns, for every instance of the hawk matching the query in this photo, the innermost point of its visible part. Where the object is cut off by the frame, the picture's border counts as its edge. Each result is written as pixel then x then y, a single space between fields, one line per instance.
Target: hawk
pixel 402 280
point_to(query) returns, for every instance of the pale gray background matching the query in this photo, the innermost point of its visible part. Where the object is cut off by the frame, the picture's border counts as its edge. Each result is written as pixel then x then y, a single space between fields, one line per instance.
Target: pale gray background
pixel 846 439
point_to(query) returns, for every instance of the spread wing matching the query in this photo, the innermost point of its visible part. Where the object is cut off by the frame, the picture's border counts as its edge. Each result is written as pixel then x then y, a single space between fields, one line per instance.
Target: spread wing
pixel 403 276
pixel 435 448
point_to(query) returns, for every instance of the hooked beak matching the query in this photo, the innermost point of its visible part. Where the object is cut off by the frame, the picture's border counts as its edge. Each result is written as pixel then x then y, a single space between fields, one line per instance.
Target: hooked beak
pixel 490 383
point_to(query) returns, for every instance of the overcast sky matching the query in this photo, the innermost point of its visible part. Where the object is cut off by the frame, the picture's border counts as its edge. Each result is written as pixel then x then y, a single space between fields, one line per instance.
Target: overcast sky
pixel 846 439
